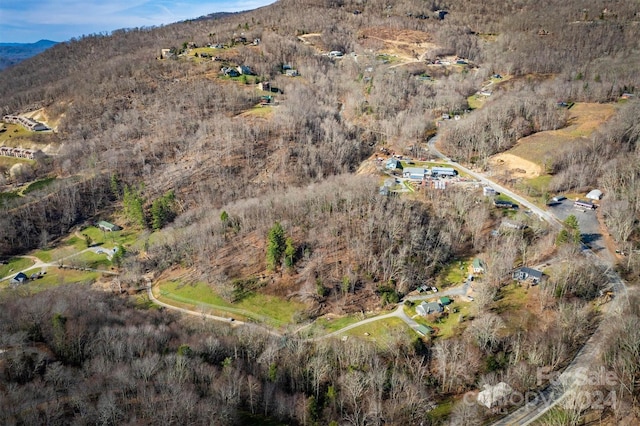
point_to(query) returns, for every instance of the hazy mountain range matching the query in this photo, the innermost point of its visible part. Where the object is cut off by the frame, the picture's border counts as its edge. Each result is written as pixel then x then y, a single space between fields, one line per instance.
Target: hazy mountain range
pixel 12 53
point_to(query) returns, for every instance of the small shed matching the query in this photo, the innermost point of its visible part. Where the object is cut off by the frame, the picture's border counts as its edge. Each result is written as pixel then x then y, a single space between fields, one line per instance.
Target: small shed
pixel 424 330
pixel 594 194
pixel 444 301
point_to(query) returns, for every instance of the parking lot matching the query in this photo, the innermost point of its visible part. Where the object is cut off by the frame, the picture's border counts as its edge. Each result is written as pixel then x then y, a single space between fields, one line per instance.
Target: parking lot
pixel 589 225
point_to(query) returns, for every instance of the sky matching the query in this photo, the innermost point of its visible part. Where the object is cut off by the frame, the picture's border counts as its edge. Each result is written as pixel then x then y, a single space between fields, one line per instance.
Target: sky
pixel 27 21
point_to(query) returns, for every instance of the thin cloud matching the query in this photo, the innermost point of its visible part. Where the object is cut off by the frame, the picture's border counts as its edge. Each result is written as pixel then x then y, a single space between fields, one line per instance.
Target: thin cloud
pixel 60 20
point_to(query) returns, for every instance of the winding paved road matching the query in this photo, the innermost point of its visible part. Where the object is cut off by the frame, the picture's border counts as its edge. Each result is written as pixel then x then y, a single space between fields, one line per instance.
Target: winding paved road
pixel 569 382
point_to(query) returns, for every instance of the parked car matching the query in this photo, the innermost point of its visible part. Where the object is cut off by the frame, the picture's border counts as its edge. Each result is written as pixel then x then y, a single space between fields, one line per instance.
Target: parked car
pixel 434 289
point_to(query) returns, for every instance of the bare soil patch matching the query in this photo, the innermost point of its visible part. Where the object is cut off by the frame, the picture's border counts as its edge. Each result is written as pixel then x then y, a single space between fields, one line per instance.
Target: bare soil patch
pixel 406 44
pixel 531 153
pixel 516 166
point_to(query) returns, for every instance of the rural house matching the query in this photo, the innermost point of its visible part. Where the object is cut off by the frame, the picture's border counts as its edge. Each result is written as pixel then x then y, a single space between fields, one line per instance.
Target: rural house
pixel 393 164
pixel 244 70
pixel 527 274
pixel 478 266
pixel 443 171
pixel 108 227
pixel 494 395
pixel 414 173
pixel 594 194
pixel 20 278
pixel 425 308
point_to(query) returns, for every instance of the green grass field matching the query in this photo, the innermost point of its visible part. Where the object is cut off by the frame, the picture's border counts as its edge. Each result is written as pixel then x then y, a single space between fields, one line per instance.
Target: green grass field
pixel 14 265
pixel 454 273
pixel 38 184
pixel 448 325
pixel 270 309
pixel 383 332
pixel 55 277
pixel 328 325
pixel 8 162
pixel 14 135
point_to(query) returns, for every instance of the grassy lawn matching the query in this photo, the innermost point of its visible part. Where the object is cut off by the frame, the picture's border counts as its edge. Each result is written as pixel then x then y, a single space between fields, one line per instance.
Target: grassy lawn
pixel 55 277
pixel 441 413
pixel 536 187
pixel 38 184
pixel 476 101
pixel 448 325
pixel 10 161
pixel 583 120
pixel 452 325
pixel 126 237
pixel 92 260
pixel 68 247
pixel 512 297
pixel 14 264
pixel 269 309
pixel 329 325
pixel 454 273
pixel 260 111
pixel 383 332
pixel 13 135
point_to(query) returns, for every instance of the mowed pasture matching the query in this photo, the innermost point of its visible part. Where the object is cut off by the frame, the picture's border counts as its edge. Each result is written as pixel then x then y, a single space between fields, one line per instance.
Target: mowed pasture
pixel 584 119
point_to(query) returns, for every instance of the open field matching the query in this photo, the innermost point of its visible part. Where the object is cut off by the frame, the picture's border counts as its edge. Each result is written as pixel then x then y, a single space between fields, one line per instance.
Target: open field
pixel 265 308
pixel 55 277
pixel 383 332
pixel 449 324
pixel 535 151
pixel 14 135
pixel 13 265
pixel 38 184
pixel 10 161
pixel 454 273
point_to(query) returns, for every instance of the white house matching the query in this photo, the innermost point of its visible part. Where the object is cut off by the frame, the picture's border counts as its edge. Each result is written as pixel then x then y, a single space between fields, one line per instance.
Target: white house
pixel 594 194
pixel 414 173
pixel 392 164
pixel 493 395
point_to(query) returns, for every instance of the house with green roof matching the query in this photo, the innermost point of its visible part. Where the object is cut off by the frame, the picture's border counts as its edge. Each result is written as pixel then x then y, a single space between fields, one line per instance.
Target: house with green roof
pixel 108 227
pixel 478 266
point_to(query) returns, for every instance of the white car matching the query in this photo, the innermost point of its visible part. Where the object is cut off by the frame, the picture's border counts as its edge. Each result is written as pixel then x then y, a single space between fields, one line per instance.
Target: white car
pixel 434 289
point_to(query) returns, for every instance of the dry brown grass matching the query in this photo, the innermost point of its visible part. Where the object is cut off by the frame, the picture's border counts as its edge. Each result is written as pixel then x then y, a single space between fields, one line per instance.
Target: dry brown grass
pixel 406 44
pixel 531 153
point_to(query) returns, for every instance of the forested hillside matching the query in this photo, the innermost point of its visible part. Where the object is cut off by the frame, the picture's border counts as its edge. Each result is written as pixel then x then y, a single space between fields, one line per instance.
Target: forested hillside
pixel 231 182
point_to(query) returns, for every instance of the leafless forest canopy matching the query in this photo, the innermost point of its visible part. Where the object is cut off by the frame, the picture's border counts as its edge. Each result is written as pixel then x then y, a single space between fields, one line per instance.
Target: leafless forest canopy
pixel 77 356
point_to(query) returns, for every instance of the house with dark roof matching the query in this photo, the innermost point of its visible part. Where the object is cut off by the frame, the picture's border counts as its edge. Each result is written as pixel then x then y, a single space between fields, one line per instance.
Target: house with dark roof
pixel 528 274
pixel 425 308
pixel 20 278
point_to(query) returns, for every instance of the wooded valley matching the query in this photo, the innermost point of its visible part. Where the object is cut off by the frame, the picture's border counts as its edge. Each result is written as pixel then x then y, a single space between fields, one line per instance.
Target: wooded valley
pixel 232 183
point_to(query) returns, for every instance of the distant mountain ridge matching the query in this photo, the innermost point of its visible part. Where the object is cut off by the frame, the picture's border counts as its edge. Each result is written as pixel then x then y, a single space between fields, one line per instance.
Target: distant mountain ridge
pixel 13 53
